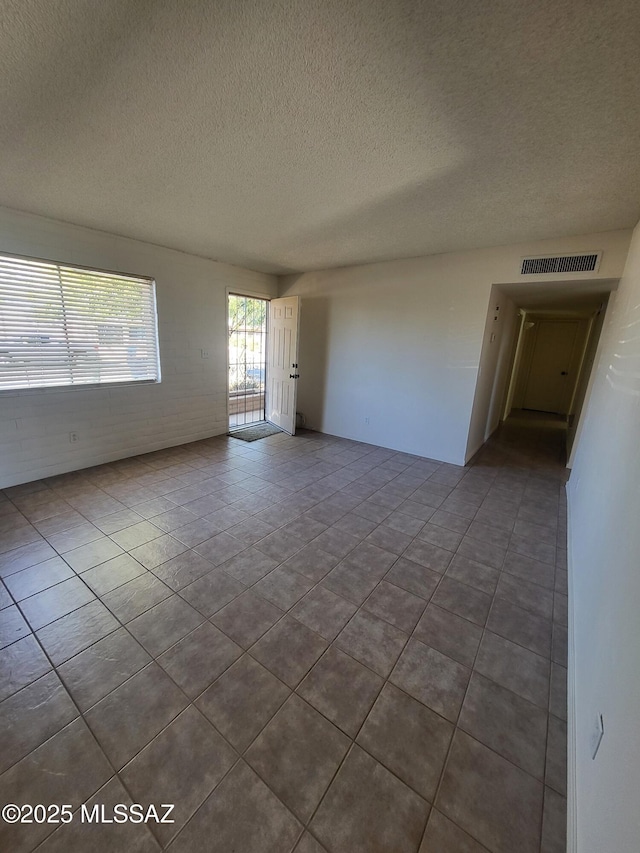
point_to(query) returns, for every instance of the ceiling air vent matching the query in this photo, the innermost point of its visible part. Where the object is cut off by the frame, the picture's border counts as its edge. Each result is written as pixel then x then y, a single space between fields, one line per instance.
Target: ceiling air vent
pixel 561 264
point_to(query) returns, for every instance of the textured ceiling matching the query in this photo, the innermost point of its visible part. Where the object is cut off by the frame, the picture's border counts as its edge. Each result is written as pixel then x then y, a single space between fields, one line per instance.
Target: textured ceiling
pixel 289 135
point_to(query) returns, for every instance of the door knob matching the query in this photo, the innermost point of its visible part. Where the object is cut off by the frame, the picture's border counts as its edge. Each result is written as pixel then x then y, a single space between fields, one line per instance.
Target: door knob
pixel 564 372
pixel 294 376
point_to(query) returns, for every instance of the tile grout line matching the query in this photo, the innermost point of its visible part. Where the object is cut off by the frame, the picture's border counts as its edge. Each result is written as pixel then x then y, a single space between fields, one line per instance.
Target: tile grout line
pixel 286 612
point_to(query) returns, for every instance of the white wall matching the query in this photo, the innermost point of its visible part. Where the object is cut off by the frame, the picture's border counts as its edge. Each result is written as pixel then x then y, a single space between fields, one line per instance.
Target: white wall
pixel 112 423
pixel 400 342
pixel 496 358
pixel 604 573
pixel 584 381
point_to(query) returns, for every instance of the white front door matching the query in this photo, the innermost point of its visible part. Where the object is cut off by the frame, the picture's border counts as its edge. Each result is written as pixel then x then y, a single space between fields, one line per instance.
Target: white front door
pixel 282 362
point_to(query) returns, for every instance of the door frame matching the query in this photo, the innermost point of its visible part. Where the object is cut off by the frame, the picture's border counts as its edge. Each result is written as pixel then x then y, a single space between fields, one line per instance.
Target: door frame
pixel 521 371
pixel 567 395
pixel 250 294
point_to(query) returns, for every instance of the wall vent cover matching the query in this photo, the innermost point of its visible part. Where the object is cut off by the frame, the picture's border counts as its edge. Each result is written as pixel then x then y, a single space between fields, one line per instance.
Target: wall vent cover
pixel 561 264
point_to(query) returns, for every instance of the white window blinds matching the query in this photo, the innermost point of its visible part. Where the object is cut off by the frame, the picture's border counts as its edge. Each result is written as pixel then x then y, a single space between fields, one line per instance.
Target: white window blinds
pixel 62 325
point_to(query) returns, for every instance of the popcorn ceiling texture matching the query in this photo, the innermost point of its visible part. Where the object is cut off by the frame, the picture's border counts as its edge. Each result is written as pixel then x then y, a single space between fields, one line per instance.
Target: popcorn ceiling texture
pixel 297 135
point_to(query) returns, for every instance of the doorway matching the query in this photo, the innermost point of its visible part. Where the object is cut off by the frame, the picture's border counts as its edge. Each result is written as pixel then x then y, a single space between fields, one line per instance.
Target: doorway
pixel 263 362
pixel 565 318
pixel 247 327
pixel 552 369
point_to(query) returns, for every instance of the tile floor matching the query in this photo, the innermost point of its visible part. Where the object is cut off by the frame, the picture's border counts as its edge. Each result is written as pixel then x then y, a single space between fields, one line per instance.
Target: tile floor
pixel 306 644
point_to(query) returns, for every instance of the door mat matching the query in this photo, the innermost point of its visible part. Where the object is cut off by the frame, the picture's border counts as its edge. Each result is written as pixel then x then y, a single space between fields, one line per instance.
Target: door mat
pixel 253 433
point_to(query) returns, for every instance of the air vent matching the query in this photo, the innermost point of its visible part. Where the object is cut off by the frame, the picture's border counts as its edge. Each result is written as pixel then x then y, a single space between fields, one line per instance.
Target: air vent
pixel 561 264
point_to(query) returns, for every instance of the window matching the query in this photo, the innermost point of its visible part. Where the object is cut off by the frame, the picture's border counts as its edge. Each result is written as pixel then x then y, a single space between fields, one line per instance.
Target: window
pixel 62 325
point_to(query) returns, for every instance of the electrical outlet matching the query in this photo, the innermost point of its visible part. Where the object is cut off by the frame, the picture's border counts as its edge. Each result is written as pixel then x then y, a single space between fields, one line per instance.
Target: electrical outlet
pixel 73 437
pixel 366 420
pixel 204 353
pixel 596 735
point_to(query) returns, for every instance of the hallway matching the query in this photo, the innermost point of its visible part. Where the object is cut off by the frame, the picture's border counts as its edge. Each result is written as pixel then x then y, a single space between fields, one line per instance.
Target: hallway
pixel 305 644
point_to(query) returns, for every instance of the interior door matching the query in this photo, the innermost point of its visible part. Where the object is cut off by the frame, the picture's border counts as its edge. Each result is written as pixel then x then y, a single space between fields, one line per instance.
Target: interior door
pixel 549 384
pixel 282 362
